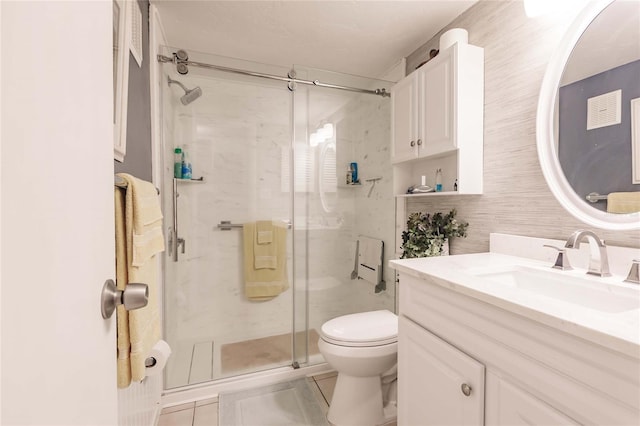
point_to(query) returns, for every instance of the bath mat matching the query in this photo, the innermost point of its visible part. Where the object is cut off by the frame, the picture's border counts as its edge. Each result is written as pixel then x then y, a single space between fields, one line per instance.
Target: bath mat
pixel 287 403
pixel 263 352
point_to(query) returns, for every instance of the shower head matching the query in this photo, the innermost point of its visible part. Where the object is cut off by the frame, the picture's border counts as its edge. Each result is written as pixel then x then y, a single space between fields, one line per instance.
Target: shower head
pixel 190 95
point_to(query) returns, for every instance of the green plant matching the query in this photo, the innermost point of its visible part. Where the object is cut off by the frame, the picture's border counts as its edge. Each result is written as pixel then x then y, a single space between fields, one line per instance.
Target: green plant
pixel 426 234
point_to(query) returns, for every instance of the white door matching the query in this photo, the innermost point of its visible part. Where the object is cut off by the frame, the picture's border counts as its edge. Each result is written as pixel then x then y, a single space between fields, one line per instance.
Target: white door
pixel 438 384
pixel 58 354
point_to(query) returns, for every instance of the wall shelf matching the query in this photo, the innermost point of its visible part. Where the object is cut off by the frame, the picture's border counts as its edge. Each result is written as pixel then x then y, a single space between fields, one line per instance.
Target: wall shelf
pixel 429 194
pixel 198 180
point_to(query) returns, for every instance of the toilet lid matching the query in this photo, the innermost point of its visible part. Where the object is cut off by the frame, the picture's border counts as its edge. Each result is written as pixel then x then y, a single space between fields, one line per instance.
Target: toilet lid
pixel 363 329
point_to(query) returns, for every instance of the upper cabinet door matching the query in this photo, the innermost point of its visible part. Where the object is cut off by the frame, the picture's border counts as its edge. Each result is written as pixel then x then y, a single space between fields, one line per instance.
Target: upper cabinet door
pixel 403 103
pixel 437 117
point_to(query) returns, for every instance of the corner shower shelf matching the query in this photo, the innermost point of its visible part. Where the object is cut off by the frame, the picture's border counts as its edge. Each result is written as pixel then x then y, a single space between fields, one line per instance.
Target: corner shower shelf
pixel 198 180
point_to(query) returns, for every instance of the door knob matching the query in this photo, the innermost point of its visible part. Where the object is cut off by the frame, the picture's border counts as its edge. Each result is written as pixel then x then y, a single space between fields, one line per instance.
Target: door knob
pixel 134 296
pixel 413 143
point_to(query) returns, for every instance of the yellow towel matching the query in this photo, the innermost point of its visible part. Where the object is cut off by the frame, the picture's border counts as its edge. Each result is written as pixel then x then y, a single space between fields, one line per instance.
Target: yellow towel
pixel 265 248
pixel 137 221
pixel 267 283
pixel 623 202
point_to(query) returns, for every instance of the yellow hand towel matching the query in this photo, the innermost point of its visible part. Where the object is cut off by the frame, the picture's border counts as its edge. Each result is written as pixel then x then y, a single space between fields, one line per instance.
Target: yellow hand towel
pixel 623 202
pixel 146 220
pixel 266 283
pixel 138 218
pixel 265 248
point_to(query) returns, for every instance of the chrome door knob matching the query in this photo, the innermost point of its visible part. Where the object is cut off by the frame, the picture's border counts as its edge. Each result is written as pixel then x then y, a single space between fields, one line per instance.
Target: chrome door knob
pixel 134 296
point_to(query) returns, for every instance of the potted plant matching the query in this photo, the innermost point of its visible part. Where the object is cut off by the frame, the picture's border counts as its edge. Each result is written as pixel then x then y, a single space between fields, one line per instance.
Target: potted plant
pixel 428 235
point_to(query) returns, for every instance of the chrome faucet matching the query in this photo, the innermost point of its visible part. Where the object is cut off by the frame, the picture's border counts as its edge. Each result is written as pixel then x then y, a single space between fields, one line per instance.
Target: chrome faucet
pixel 598 260
pixel 634 272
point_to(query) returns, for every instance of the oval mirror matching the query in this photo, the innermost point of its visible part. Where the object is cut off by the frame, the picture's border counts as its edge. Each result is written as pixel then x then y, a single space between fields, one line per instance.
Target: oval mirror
pixel 586 117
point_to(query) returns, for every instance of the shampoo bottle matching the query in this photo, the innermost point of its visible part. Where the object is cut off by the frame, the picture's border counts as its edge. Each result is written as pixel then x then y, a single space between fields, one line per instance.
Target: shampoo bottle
pixel 439 180
pixel 186 165
pixel 177 163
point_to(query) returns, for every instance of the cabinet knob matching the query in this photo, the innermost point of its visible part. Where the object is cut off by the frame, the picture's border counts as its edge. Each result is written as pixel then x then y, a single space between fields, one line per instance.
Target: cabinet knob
pixel 466 389
pixel 413 143
pixel 419 142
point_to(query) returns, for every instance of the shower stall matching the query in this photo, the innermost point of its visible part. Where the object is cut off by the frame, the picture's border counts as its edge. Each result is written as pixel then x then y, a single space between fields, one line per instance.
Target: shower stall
pixel 275 150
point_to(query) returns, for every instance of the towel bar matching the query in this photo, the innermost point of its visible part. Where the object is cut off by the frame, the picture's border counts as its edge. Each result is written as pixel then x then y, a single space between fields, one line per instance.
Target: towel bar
pixel 121 183
pixel 226 225
pixel 594 197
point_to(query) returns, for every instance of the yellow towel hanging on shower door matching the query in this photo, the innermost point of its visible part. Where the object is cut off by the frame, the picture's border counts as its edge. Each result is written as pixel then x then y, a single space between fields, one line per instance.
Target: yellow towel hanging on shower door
pixel 265 283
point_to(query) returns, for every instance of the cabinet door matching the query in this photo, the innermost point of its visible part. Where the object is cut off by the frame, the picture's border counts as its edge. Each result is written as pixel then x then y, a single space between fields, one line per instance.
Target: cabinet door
pixel 431 375
pixel 509 405
pixel 403 111
pixel 438 105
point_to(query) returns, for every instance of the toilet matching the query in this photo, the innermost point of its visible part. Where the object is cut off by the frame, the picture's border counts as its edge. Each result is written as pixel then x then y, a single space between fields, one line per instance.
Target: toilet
pixel 360 347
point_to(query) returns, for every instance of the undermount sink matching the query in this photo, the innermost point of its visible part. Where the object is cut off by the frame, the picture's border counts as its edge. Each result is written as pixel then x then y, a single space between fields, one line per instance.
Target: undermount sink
pixel 583 291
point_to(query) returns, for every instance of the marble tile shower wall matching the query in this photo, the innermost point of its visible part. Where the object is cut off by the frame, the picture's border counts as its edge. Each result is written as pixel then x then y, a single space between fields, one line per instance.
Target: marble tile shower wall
pixel 236 135
pixel 362 135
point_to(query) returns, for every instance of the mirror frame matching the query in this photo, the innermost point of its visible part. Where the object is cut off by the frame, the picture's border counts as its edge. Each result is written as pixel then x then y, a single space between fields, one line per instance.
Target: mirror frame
pixel 547 155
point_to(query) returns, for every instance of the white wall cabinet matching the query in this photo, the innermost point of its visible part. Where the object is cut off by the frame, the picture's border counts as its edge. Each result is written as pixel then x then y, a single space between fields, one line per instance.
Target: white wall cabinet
pixel 535 374
pixel 437 378
pixel 437 120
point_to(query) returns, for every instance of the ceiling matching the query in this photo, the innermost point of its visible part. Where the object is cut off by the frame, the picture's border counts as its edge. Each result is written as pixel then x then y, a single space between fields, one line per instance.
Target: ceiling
pixel 611 40
pixel 355 37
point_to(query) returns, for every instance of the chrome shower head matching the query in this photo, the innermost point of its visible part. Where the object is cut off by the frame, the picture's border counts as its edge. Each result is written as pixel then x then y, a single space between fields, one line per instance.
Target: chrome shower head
pixel 190 95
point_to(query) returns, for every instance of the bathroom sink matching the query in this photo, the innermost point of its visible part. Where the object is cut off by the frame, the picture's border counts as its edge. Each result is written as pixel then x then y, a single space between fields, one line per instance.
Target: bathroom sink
pixel 565 286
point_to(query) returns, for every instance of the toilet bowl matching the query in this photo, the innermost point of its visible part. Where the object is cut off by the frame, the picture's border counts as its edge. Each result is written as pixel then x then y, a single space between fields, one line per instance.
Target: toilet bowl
pixel 360 347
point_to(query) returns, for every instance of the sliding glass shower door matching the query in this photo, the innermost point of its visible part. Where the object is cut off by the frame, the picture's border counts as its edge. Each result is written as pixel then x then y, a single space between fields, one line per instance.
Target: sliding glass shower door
pixel 263 235
pixel 219 319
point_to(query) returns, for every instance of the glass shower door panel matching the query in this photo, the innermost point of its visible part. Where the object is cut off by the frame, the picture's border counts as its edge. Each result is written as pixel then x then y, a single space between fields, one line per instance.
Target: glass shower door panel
pixel 219 320
pixel 337 128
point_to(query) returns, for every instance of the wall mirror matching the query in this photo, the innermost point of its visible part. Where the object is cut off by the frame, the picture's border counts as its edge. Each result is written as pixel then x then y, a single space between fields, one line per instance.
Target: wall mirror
pixel 586 120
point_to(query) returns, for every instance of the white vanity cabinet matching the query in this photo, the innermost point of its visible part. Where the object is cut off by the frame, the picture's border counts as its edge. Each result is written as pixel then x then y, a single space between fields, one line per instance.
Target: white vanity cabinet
pixel 455 391
pixel 519 370
pixel 437 121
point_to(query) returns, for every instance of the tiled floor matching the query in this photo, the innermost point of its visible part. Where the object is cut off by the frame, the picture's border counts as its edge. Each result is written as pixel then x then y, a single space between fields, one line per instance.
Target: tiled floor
pixel 205 413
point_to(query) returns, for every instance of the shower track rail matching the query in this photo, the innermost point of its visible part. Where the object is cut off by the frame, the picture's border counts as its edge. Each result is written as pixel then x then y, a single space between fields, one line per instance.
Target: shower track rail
pixel 289 79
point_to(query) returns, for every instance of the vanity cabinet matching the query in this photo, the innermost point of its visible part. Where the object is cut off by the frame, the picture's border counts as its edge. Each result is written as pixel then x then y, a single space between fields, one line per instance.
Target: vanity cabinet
pixel 455 391
pixel 437 121
pixel 509 405
pixel 519 369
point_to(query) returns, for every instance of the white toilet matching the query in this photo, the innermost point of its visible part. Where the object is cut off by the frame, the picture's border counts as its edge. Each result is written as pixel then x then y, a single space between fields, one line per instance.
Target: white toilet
pixel 361 347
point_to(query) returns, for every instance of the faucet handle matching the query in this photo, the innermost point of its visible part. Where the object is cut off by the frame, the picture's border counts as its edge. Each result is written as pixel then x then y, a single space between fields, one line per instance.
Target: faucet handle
pixel 634 272
pixel 562 261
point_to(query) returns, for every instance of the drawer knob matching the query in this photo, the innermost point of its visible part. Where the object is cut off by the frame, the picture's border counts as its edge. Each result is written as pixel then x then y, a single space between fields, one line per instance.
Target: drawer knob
pixel 466 389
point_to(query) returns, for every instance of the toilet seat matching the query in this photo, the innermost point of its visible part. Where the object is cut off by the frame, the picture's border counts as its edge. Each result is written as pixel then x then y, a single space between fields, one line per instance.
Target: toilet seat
pixel 374 328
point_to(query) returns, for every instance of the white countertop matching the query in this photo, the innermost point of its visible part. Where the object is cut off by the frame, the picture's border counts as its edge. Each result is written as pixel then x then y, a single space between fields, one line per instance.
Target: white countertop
pixel 618 331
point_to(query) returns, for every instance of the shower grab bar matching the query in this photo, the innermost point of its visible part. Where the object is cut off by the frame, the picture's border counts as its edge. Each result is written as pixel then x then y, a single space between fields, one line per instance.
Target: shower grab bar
pixel 226 225
pixel 177 59
pixel 594 197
